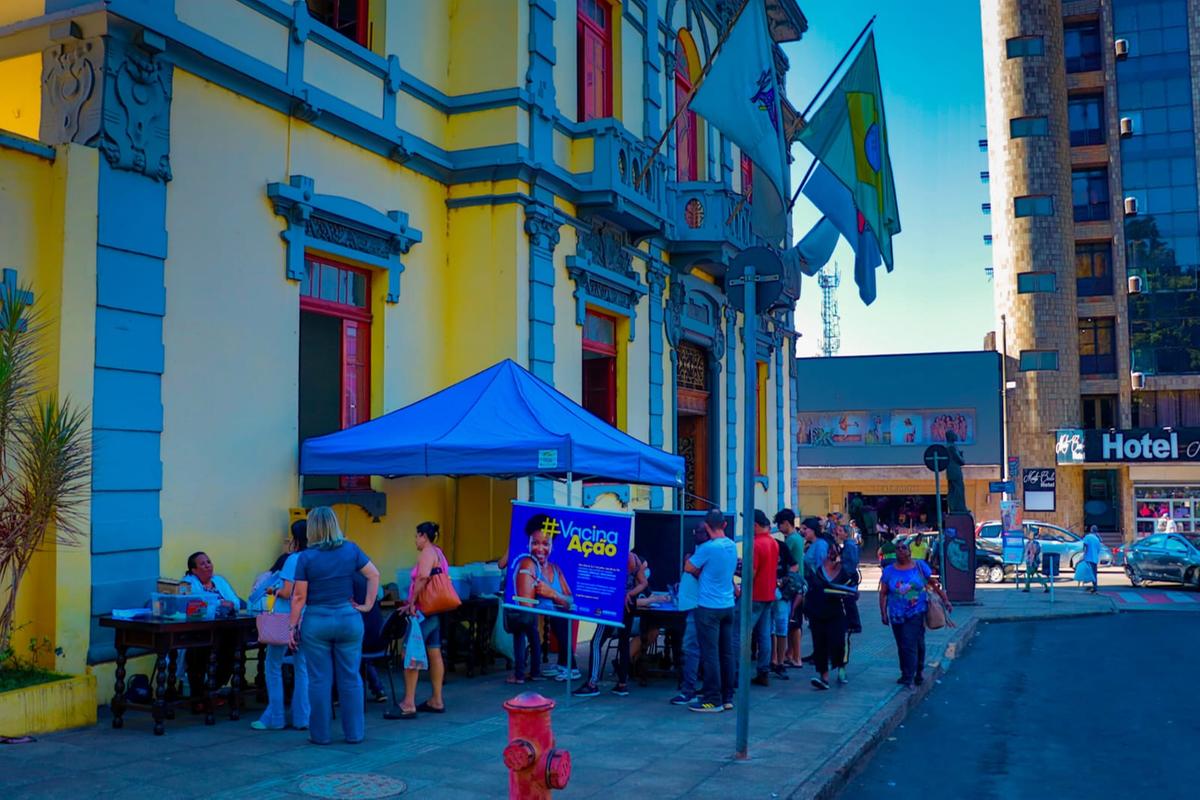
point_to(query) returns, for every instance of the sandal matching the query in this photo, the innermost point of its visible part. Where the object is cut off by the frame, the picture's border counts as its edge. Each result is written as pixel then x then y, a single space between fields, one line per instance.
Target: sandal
pixel 513 680
pixel 407 714
pixel 17 740
pixel 425 708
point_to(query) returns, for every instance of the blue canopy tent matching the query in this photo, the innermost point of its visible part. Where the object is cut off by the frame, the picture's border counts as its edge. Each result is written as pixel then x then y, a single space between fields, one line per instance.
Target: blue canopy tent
pixel 502 422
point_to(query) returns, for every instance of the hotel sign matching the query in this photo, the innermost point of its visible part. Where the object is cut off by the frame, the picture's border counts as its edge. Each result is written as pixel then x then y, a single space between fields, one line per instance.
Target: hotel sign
pixel 1131 445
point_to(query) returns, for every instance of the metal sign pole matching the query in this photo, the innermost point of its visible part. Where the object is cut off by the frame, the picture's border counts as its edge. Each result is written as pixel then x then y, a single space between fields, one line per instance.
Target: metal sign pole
pixel 937 490
pixel 749 462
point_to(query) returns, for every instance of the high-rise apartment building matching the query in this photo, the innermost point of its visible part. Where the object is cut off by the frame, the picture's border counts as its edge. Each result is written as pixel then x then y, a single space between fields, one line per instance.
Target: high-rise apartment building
pixel 1092 112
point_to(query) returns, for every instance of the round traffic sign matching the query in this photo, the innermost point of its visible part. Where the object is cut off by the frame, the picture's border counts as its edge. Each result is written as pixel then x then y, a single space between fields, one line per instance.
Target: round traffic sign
pixel 937 457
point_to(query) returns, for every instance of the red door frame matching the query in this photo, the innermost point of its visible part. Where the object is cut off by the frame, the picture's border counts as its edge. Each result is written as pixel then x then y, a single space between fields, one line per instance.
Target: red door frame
pixel 610 352
pixel 686 135
pixel 359 319
pixel 584 26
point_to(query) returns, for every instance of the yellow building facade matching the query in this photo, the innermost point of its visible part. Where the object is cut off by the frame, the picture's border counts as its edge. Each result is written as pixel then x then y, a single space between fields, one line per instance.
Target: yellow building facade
pixel 253 221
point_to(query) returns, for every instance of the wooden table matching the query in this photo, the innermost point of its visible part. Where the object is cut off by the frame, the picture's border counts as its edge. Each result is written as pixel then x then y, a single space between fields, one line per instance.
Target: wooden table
pixel 165 638
pixel 668 618
pixel 479 615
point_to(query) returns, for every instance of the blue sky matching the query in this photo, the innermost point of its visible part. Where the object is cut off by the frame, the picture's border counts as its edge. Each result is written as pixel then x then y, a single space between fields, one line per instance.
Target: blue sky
pixel 931 68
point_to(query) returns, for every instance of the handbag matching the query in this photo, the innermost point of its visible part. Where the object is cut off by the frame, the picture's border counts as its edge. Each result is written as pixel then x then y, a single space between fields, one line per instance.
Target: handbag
pixel 935 613
pixel 273 628
pixel 438 595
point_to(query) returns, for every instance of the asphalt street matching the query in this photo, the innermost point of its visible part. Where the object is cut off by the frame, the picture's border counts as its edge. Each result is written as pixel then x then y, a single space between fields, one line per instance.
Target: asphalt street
pixel 1103 707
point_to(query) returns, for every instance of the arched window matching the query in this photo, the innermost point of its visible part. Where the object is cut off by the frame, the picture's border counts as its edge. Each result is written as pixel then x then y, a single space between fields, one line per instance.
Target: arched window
pixel 593 29
pixel 685 127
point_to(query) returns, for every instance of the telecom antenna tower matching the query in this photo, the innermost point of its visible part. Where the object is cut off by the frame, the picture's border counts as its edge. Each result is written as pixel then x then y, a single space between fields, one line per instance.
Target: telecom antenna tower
pixel 831 326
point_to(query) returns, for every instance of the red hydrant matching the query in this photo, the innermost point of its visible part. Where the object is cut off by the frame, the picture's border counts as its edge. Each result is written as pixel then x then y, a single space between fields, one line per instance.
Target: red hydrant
pixel 535 767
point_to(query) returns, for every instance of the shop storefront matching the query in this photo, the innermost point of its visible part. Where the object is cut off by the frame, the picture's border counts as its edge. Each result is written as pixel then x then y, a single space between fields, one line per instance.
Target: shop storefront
pixel 1147 479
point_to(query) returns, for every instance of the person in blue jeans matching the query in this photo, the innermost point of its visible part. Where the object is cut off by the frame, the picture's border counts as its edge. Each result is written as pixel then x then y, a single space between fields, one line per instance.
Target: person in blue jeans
pixel 713 564
pixel 331 635
pixel 903 598
pixel 685 600
pixel 274 716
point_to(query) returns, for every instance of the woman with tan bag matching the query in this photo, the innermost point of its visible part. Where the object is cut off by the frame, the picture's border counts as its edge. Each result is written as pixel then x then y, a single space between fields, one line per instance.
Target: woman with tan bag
pixel 905 591
pixel 428 594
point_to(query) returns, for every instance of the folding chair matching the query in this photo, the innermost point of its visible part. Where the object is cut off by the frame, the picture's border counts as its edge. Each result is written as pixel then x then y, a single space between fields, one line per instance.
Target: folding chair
pixel 387 649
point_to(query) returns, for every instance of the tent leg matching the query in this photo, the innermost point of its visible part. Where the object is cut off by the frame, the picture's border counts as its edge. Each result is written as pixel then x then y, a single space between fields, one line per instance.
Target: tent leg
pixel 570 483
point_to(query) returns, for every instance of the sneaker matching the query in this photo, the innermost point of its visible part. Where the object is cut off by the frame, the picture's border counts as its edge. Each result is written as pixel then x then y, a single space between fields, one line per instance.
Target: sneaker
pixel 587 690
pixel 819 684
pixel 379 697
pixel 727 705
pixel 551 671
pixel 621 690
pixel 841 676
pixel 683 699
pixel 761 679
pixel 562 675
pixel 704 708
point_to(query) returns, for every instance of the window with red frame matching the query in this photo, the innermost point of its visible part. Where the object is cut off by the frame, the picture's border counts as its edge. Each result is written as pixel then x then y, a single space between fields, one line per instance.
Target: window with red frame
pixel 594 39
pixel 600 366
pixel 747 178
pixel 685 124
pixel 335 356
pixel 347 17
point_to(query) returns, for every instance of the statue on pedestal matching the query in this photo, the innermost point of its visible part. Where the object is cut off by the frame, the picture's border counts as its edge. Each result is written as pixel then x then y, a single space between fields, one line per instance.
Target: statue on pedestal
pixel 956 498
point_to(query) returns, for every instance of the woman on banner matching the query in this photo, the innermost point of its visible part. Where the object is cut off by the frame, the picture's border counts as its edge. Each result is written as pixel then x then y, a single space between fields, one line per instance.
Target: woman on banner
pixel 540 583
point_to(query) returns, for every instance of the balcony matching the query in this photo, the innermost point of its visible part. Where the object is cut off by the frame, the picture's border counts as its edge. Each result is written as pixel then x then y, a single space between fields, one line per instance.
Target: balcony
pixel 609 190
pixel 708 220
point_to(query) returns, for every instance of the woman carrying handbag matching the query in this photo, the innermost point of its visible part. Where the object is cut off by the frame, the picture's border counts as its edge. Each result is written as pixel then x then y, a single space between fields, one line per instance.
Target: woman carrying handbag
pixel 432 594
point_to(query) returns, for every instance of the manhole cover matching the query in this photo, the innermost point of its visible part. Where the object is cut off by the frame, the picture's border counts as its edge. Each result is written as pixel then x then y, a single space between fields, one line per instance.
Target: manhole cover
pixel 357 785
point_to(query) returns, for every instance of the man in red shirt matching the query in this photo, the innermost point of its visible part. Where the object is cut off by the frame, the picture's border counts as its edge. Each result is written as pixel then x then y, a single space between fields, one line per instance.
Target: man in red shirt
pixel 766 567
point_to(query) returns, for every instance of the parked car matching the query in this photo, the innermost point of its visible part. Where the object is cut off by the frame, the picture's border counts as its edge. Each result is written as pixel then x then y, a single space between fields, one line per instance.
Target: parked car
pixel 1170 557
pixel 1052 538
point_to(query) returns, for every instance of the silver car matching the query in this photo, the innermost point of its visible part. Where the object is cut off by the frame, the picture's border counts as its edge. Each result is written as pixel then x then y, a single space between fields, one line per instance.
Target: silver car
pixel 1170 557
pixel 1052 539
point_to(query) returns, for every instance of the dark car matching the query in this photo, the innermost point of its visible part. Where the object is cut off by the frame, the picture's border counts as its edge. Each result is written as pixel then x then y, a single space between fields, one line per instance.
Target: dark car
pixel 1169 557
pixel 989 566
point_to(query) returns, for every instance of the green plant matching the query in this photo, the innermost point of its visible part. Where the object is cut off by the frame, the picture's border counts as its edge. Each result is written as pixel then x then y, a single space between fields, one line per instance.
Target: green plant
pixel 44 456
pixel 17 672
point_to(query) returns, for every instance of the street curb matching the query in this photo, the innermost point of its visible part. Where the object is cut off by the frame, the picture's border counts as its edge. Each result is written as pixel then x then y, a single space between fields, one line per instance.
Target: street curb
pixel 832 777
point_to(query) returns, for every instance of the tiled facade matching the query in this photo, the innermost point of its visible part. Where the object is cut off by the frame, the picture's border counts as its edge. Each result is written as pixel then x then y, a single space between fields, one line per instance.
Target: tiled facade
pixel 1043 84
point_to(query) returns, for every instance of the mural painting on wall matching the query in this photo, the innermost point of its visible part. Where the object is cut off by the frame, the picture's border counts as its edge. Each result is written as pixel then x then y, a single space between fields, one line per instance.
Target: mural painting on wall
pixel 883 428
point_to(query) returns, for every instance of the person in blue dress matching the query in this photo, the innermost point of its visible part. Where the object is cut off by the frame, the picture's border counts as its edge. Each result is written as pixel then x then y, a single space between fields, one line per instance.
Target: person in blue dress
pixel 903 599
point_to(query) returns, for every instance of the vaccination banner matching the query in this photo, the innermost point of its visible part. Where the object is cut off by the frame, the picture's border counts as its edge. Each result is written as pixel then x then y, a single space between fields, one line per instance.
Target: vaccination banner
pixel 568 562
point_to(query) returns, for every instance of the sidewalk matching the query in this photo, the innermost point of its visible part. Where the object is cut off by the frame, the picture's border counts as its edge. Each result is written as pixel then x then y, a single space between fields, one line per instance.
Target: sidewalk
pixel 802 742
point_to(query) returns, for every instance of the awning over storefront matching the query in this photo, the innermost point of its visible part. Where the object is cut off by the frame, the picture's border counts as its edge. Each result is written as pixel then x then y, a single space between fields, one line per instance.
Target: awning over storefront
pixel 502 422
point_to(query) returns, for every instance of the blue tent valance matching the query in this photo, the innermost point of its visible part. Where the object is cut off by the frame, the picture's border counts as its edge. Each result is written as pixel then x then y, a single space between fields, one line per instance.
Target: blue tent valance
pixel 502 422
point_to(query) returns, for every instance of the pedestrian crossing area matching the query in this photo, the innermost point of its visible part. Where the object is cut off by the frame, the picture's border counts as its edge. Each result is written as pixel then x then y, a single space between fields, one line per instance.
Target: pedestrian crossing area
pixel 1129 599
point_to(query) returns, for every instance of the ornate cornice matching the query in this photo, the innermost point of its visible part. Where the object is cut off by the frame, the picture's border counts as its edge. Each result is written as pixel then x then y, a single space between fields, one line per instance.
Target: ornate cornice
pixel 112 94
pixel 602 269
pixel 541 225
pixel 340 226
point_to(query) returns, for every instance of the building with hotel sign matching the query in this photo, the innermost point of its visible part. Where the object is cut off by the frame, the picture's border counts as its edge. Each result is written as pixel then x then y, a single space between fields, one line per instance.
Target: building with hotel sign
pixel 1093 108
pixel 863 424
pixel 249 222
pixel 1160 465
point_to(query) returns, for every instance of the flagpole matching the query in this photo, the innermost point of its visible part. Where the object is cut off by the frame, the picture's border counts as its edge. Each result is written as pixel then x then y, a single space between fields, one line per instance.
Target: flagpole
pixel 829 80
pixel 812 165
pixel 679 109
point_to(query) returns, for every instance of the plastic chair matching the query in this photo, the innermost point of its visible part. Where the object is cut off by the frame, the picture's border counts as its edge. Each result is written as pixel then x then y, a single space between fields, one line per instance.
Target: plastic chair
pixel 387 650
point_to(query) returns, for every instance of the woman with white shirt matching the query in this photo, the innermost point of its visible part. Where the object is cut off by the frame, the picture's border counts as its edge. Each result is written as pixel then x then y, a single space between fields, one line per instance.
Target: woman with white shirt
pixel 200 577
